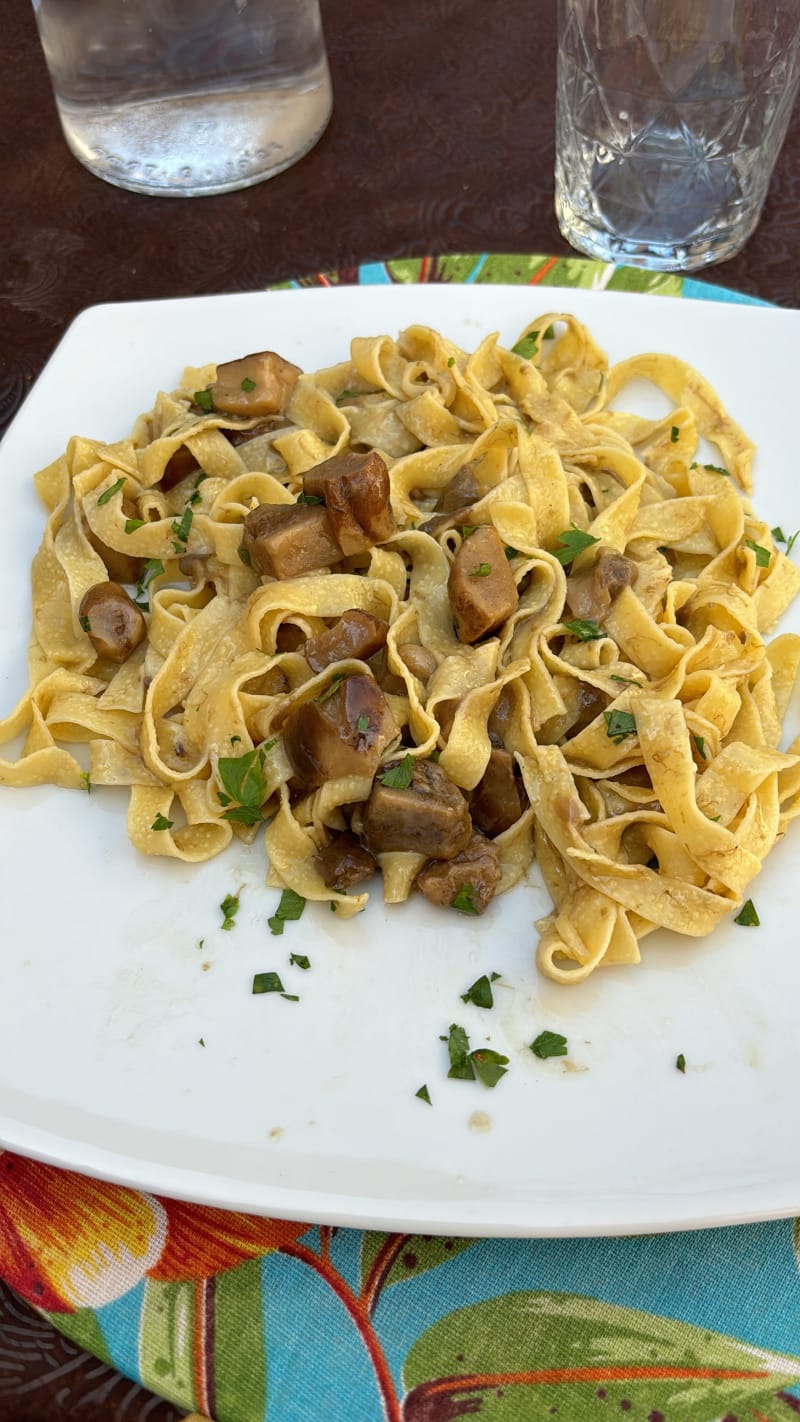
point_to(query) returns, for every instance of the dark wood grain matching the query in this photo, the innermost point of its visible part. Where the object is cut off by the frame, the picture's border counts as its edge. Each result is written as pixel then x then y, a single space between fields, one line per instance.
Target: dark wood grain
pixel 441 141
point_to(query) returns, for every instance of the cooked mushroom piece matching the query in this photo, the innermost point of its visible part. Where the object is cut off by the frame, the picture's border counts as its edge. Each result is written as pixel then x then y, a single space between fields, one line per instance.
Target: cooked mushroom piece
pixel 590 593
pixel 462 490
pixel 469 881
pixel 355 634
pixel 345 862
pixel 498 799
pixel 481 585
pixel 287 540
pixel 420 661
pixel 258 384
pixel 113 622
pixel 430 817
pixel 344 732
pixel 122 567
pixel 355 488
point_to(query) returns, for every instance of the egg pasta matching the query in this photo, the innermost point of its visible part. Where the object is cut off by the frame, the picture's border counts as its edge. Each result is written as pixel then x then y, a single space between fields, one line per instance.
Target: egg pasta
pixel 610 684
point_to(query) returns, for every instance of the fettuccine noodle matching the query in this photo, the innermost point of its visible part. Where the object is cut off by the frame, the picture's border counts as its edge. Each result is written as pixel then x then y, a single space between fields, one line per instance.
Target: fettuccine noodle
pixel 629 686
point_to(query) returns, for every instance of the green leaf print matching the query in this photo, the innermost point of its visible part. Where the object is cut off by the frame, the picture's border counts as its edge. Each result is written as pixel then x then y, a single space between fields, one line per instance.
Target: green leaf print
pixel 166 1341
pixel 391 1258
pixel 239 1344
pixel 540 1355
pixel 84 1329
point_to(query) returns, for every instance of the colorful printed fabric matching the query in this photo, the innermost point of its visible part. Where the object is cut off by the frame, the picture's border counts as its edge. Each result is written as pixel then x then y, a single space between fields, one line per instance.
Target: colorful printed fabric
pixel 246 1319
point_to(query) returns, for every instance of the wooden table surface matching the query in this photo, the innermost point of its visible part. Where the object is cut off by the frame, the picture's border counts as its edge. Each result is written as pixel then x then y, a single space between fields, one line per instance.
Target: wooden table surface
pixel 441 140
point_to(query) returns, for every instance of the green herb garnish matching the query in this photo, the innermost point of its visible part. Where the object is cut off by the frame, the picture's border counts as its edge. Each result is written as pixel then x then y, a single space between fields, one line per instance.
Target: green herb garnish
pixel 674 434
pixel 303 498
pixel 244 554
pixel 204 399
pixel 229 908
pixel 300 960
pixel 748 918
pixel 181 529
pixel 424 1095
pixel 714 468
pixel 267 982
pixel 482 571
pixel 527 345
pixel 331 689
pixel 461 1067
pixel 200 1042
pixel 626 680
pixel 762 554
pixel 162 823
pixel 399 775
pixel 549 1044
pixel 347 395
pixel 480 993
pixel 109 493
pixel 619 725
pixel 464 900
pixel 701 746
pixel 467 529
pixel 84 621
pixel 489 1066
pixel 289 909
pixel 572 542
pixel 247 385
pixel 131 524
pixel 585 628
pixel 362 724
pixel 680 1062
pixel 511 552
pixel 451 362
pixel 87 784
pixel 243 779
pixel 153 568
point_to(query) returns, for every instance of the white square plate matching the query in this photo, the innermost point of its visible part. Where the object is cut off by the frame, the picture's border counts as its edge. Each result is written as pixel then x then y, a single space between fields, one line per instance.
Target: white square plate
pixel 308 1110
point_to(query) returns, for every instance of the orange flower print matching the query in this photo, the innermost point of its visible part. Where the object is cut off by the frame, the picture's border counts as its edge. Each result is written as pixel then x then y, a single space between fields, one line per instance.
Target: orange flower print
pixel 68 1242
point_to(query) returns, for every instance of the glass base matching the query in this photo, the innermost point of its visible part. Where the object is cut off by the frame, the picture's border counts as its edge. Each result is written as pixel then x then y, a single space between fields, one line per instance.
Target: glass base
pixel 656 256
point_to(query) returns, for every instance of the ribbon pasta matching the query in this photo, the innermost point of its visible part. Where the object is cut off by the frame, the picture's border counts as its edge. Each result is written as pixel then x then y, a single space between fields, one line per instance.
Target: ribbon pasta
pixel 645 716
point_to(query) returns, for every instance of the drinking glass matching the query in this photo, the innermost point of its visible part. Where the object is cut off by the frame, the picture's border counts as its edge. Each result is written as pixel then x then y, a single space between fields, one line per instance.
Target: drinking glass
pixel 670 115
pixel 187 97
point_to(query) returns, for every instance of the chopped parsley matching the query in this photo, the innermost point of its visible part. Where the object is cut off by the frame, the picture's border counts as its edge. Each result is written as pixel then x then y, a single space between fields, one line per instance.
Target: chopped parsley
pixel 674 434
pixel 300 960
pixel 399 775
pixel 619 725
pixel 585 629
pixel 511 552
pixel 451 362
pixel 84 621
pixel 204 399
pixel 229 909
pixel 482 571
pixel 303 498
pixel 527 345
pixel 626 680
pixel 465 1065
pixel 162 823
pixel 572 542
pixel 424 1095
pixel 467 529
pixel 549 1044
pixel 180 530
pixel 153 568
pixel 331 689
pixel 714 468
pixel 747 917
pixel 200 1042
pixel 701 746
pixel 289 910
pixel 680 1062
pixel 244 554
pixel 247 385
pixel 347 395
pixel 778 534
pixel 762 554
pixel 194 498
pixel 131 524
pixel 267 982
pixel 480 993
pixel 86 781
pixel 362 724
pixel 464 900
pixel 243 779
pixel 110 492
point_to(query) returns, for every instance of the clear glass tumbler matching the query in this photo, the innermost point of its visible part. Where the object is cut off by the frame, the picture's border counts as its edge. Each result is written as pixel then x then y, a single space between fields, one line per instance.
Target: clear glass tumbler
pixel 183 98
pixel 670 115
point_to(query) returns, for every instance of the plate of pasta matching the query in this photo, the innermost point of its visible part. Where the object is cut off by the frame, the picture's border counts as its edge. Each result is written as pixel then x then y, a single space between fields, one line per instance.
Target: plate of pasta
pixel 397 783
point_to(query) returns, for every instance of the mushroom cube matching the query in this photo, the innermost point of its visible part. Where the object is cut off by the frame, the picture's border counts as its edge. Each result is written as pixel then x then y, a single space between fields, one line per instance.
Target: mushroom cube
pixel 472 877
pixel 258 384
pixel 344 732
pixel 481 585
pixel 113 622
pixel 288 540
pixel 355 634
pixel 497 800
pixel 355 488
pixel 430 817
